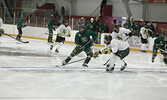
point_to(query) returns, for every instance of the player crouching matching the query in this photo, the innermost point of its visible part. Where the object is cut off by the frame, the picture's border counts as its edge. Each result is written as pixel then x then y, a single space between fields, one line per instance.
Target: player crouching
pixel 83 42
pixel 118 49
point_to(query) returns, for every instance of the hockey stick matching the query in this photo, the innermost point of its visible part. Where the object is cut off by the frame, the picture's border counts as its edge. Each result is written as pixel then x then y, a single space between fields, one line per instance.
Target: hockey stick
pixel 71 62
pixel 15 38
pixel 127 38
pixel 162 50
pixel 106 62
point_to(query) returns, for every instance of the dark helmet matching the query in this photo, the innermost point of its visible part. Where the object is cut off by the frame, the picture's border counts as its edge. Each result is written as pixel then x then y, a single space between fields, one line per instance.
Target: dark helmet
pixel 116 26
pixel 81 26
pixel 65 22
pixel 108 39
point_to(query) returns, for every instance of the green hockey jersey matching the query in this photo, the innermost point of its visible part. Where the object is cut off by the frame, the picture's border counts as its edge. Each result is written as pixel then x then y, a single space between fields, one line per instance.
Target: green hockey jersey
pixel 82 39
pixel 159 43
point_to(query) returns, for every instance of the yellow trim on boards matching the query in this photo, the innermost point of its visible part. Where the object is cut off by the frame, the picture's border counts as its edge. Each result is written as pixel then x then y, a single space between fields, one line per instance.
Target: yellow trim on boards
pixel 97 45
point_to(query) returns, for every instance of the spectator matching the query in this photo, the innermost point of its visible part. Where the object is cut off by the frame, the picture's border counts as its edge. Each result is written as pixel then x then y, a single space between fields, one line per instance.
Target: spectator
pixel 133 28
pixel 87 27
pixel 137 31
pixel 120 23
pixel 106 28
pixel 152 28
pixel 127 24
pixel 77 26
pixel 101 27
pixel 113 24
pixel 97 24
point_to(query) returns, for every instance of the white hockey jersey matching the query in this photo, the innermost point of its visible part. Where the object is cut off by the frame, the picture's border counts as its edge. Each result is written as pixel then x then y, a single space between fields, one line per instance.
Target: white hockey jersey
pixel 118 45
pixel 144 33
pixel 121 35
pixel 1 23
pixel 64 30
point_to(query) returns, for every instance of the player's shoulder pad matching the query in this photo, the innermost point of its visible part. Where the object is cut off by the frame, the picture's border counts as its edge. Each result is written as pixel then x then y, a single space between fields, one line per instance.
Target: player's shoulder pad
pixel 77 33
pixel 90 31
pixel 160 37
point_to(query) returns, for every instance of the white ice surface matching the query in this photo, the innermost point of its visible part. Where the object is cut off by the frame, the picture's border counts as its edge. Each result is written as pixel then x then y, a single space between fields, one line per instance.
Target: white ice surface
pixel 27 72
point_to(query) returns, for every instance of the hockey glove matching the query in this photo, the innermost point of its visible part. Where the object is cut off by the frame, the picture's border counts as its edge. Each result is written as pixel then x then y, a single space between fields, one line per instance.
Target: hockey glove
pixel 96 54
pixel 59 34
pixel 144 31
pixel 69 34
pixel 106 51
pixel 1 30
pixel 91 40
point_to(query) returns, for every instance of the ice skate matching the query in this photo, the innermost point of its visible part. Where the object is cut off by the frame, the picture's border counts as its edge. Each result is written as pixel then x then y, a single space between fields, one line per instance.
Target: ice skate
pixel 51 47
pixel 110 69
pixel 85 65
pixel 123 67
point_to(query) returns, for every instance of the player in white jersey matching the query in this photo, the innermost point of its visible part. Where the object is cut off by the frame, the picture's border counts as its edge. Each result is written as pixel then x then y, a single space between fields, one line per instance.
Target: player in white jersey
pixel 63 31
pixel 119 50
pixel 1 24
pixel 120 33
pixel 144 37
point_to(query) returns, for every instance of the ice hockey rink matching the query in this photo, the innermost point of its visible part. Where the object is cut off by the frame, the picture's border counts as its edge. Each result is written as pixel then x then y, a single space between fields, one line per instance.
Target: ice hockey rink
pixel 28 72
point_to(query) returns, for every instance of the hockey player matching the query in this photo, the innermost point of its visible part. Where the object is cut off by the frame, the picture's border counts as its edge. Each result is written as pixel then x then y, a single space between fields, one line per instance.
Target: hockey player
pixel 120 33
pixel 160 43
pixel 144 37
pixel 119 50
pixel 92 25
pixel 63 31
pixel 1 24
pixel 83 42
pixel 51 27
pixel 19 28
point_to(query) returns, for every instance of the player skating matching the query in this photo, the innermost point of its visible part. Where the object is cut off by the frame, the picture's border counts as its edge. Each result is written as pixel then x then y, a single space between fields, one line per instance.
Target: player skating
pixel 63 31
pixel 84 43
pixel 160 43
pixel 118 50
pixel 144 37
pixel 51 27
pixel 20 25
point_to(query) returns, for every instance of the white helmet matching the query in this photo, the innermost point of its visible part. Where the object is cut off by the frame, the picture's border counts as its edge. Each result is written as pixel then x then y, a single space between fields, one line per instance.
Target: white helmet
pixel 92 19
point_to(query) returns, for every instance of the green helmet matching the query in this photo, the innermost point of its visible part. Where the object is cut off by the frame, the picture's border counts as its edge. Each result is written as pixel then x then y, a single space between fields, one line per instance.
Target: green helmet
pixel 82 31
pixel 81 26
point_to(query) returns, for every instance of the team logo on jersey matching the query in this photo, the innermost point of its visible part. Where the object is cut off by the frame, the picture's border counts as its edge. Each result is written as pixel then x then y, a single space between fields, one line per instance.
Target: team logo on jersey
pixel 84 39
pixel 161 44
pixel 64 31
